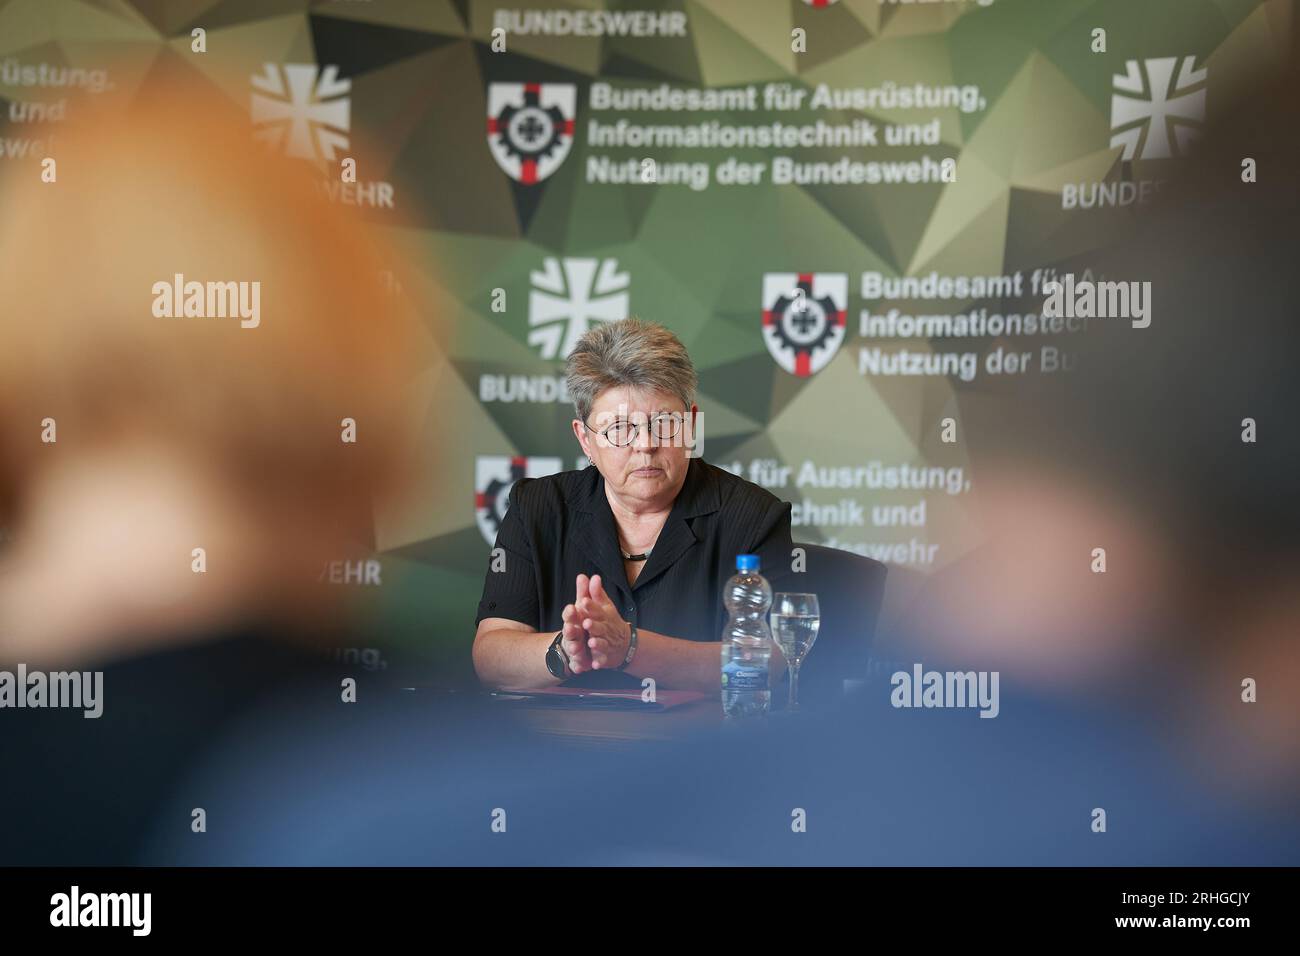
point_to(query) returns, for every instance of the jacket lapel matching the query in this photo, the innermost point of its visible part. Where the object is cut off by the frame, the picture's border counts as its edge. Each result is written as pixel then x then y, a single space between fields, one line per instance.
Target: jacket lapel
pixel 595 533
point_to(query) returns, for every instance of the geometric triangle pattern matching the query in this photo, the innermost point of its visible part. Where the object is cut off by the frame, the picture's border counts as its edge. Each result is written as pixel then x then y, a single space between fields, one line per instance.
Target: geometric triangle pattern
pixel 845 211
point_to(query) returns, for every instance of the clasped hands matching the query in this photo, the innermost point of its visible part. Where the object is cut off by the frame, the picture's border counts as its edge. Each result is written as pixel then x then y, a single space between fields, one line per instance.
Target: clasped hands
pixel 595 635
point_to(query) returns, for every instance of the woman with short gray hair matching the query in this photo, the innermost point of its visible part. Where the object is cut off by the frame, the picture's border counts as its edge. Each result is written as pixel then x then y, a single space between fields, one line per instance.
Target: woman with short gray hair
pixel 615 573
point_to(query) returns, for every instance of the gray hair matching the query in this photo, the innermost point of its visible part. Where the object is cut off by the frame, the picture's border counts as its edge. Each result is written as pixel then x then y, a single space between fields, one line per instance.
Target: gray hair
pixel 628 353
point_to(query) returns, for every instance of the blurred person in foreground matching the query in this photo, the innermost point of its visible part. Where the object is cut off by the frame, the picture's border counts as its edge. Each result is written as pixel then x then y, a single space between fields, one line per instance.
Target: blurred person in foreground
pixel 616 572
pixel 137 426
pixel 1111 682
pixel 1171 447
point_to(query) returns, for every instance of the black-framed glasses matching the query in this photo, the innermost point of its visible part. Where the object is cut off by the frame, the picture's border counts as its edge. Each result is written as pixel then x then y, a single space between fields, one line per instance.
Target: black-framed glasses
pixel 663 427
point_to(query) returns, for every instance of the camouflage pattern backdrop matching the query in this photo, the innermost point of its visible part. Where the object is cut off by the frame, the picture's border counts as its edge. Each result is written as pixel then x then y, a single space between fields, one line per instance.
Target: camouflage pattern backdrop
pixel 759 175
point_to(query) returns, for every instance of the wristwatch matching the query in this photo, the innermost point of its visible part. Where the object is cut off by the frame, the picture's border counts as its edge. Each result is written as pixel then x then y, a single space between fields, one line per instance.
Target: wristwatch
pixel 557 662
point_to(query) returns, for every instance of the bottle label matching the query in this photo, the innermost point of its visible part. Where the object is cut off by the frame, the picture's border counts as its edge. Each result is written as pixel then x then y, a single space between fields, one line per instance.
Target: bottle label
pixel 744 675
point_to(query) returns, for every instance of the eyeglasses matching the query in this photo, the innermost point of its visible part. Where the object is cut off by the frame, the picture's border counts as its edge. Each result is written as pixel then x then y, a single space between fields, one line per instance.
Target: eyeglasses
pixel 620 434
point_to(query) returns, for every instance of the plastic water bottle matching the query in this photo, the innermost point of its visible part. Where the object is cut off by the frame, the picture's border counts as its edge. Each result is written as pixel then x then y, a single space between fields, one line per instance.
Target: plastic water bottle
pixel 746 641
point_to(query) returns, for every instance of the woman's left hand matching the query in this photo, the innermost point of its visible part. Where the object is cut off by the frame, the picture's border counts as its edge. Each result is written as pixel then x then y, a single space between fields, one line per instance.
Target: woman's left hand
pixel 608 634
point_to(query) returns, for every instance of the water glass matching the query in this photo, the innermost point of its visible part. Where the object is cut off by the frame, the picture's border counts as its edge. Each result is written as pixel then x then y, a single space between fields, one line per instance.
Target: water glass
pixel 795 619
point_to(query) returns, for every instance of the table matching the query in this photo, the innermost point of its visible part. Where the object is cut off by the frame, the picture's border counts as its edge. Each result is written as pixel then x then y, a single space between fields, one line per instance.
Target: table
pixel 617 729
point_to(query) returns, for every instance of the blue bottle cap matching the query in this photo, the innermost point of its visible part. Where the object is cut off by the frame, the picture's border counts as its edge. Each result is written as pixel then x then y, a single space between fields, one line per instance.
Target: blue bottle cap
pixel 746 562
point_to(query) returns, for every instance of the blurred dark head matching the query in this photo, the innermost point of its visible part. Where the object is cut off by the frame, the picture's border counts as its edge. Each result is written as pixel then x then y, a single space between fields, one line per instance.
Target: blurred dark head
pixel 1138 452
pixel 1158 412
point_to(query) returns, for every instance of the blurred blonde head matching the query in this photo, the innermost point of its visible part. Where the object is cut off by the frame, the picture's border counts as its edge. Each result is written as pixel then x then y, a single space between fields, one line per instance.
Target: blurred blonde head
pixel 177 433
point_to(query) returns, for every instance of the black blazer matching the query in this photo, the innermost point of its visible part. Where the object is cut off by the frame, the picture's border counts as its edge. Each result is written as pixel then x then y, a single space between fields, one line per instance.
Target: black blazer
pixel 560 526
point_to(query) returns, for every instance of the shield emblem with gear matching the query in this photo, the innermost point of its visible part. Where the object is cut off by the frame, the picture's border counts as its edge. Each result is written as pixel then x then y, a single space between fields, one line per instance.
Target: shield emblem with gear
pixel 494 476
pixel 804 316
pixel 530 127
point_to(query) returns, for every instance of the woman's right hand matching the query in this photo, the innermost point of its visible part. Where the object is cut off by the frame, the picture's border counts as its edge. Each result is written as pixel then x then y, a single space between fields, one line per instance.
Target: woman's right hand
pixel 574 640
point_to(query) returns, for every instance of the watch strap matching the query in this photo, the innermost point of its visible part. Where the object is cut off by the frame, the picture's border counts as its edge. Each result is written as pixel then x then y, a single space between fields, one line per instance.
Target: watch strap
pixel 631 648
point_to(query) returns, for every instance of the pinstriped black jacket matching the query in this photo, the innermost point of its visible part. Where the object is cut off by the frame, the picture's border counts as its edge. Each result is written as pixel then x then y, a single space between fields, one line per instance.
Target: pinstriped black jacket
pixel 560 526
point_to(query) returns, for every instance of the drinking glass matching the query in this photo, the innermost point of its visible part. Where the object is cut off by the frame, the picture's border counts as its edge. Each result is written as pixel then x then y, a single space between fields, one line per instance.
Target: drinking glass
pixel 795 620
